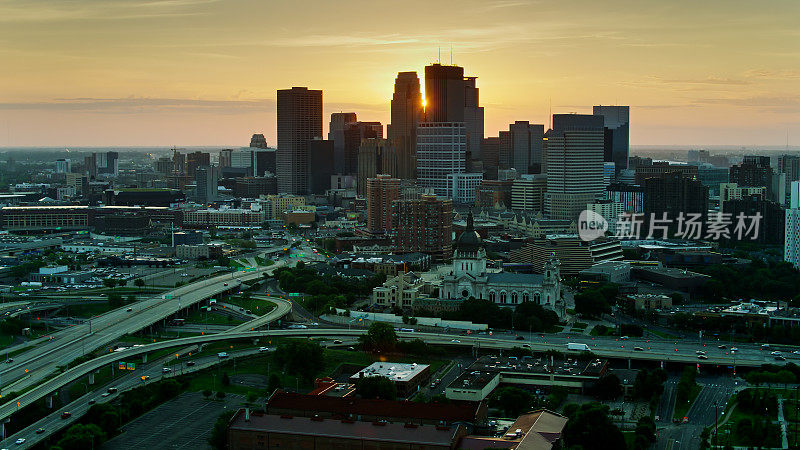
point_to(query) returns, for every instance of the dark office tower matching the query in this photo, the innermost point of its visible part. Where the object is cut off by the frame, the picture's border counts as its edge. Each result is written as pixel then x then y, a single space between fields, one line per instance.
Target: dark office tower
pixel 354 134
pixel 756 160
pixel 574 164
pixel 336 133
pixel 258 141
pixel 406 114
pixel 490 154
pixel 789 165
pixel 90 165
pixel 674 194
pixel 521 147
pixel 107 163
pixel 444 93
pixel 473 118
pixel 320 165
pixel 205 178
pixel 749 173
pixel 225 157
pixel 299 121
pixel 195 160
pixel 616 128
pixel 375 156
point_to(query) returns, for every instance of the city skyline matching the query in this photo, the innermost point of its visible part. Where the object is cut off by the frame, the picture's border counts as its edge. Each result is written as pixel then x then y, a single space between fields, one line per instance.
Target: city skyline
pixel 206 73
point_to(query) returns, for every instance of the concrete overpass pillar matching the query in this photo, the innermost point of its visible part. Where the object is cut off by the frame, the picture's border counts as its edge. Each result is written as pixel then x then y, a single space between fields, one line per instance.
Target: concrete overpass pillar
pixel 3 428
pixel 49 401
pixel 144 358
pixel 91 378
pixel 629 363
pixel 662 364
pixel 255 341
pixel 200 347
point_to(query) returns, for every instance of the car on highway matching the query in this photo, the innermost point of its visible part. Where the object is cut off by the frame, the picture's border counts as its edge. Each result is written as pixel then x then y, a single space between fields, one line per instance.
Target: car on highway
pixel 20 441
pixel 700 352
pixel 129 309
pixel 111 390
pixel 734 349
pixel 92 401
pixel 225 284
pixel 455 341
pixel 702 357
pixel 624 338
pixel 775 353
pixel 780 358
pixel 66 415
pixel 39 430
pixel 764 346
pixel 722 347
pixel 105 394
pixel 9 361
pixel 166 370
pixel 264 349
pixel 796 352
pixel 526 345
pixel 190 363
pixel 638 349
pixel 337 341
pixel 520 338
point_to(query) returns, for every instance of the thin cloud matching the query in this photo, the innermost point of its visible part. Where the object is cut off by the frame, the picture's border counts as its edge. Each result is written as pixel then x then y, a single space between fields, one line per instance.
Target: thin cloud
pixel 141 104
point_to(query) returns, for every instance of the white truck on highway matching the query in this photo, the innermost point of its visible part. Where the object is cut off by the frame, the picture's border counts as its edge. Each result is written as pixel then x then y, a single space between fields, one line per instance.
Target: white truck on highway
pixel 577 346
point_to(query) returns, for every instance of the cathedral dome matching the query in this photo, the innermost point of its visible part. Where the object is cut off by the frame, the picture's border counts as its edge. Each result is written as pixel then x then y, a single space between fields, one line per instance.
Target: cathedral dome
pixel 469 240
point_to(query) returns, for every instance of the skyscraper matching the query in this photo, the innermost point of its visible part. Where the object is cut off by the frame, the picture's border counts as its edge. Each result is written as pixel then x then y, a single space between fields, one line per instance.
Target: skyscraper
pixel 258 141
pixel 320 165
pixel 354 134
pixel 381 191
pixel 195 160
pixel 206 184
pixel 406 114
pixel 299 121
pixel 444 93
pixel 791 246
pixel 473 118
pixel 790 165
pixel 336 133
pixel 616 134
pixel 375 156
pixel 574 164
pixel 441 151
pixel 521 147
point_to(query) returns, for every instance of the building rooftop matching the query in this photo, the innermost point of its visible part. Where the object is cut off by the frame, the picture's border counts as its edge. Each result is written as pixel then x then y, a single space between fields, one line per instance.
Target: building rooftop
pixel 344 407
pixel 540 365
pixel 394 371
pixel 515 278
pixel 346 429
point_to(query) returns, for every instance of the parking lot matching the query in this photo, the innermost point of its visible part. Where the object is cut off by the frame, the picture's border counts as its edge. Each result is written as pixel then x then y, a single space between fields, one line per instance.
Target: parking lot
pixel 184 422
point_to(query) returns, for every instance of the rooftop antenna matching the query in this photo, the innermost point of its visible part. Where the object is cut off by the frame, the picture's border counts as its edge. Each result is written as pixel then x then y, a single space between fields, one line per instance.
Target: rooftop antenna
pixel 451 54
pixel 550 115
pixel 439 59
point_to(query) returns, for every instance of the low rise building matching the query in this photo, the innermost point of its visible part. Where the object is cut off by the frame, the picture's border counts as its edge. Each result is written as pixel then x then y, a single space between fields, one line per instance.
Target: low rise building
pixel 407 378
pixel 488 372
pixel 402 291
pixel 649 301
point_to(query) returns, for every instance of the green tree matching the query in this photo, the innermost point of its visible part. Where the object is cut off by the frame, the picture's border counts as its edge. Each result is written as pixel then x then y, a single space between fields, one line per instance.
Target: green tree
pixel 273 383
pixel 115 300
pixel 379 338
pixel 376 387
pixel 105 416
pixel 513 401
pixel 220 395
pixel 110 283
pixel 139 283
pixel 226 380
pixel 81 437
pixel 207 393
pixel 219 434
pixel 300 358
pixel 608 387
pixel 590 427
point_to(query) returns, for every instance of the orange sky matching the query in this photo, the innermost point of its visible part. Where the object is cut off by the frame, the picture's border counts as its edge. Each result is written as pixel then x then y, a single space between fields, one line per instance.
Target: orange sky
pixel 205 72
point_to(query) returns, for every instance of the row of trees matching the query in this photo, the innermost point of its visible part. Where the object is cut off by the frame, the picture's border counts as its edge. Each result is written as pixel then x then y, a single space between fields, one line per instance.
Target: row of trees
pixel 527 316
pixel 326 291
pixel 759 280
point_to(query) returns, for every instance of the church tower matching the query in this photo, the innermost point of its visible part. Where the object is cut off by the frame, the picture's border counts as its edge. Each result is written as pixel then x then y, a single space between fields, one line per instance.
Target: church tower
pixel 469 257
